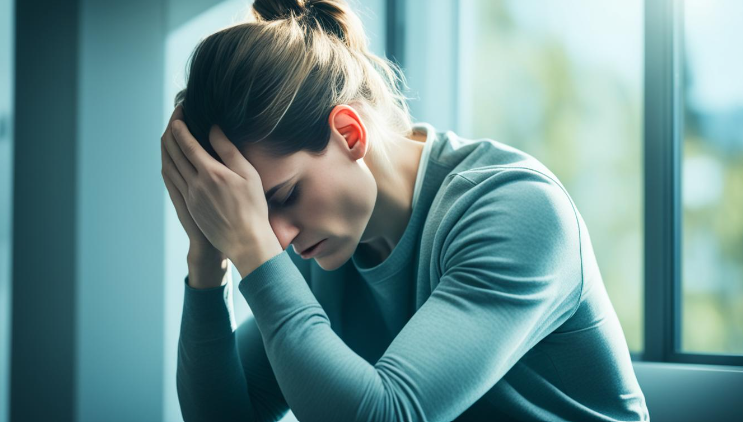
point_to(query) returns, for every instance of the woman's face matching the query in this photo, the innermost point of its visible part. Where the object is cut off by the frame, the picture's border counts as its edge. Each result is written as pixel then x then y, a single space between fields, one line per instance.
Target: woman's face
pixel 329 197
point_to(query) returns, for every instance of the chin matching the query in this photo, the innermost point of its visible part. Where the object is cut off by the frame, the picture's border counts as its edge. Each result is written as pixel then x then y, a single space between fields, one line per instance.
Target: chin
pixel 330 264
pixel 332 260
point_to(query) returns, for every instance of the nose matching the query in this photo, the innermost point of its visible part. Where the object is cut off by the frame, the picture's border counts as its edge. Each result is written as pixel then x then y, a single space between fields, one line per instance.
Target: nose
pixel 284 230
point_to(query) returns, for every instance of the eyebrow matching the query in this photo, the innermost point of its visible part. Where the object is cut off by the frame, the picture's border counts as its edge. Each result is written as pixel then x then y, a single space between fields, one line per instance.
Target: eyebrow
pixel 271 192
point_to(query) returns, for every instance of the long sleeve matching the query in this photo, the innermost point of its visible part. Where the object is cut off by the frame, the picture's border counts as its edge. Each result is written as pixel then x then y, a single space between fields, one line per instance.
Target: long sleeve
pixel 510 274
pixel 222 373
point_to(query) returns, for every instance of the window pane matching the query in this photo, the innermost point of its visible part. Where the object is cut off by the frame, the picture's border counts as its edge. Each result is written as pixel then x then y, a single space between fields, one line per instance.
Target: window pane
pixel 712 178
pixel 562 80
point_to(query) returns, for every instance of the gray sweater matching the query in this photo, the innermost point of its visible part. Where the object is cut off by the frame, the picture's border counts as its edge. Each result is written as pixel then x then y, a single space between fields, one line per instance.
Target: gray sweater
pixel 491 307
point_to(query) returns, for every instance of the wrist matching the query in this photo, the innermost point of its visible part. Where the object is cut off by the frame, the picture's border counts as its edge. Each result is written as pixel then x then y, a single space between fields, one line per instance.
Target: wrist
pixel 208 274
pixel 201 255
pixel 248 260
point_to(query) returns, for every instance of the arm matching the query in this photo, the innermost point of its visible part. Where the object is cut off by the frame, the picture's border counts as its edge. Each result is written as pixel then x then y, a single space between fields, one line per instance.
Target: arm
pixel 510 274
pixel 223 374
pixel 268 401
pixel 213 372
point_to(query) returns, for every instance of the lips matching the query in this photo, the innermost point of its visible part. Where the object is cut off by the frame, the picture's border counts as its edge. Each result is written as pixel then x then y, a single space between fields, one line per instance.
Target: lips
pixel 314 250
pixel 306 250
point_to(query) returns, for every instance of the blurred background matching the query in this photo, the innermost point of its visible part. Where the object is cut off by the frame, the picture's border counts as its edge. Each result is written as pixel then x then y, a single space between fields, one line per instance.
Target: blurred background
pixel 92 255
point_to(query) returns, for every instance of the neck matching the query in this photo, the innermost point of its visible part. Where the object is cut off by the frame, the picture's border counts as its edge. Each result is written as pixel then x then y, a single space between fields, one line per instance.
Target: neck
pixel 394 204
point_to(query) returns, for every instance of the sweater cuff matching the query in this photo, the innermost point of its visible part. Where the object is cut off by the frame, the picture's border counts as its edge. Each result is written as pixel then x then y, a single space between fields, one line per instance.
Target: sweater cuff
pixel 275 292
pixel 207 313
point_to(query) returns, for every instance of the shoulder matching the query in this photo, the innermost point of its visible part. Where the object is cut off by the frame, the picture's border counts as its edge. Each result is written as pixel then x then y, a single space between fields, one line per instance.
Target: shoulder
pixel 502 191
pixel 512 232
pixel 526 191
pixel 519 214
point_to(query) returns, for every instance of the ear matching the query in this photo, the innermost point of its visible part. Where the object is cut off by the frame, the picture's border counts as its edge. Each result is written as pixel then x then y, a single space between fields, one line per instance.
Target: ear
pixel 346 122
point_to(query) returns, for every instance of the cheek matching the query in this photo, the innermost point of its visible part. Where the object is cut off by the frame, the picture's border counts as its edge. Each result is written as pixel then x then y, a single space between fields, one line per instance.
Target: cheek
pixel 343 198
pixel 340 204
pixel 355 202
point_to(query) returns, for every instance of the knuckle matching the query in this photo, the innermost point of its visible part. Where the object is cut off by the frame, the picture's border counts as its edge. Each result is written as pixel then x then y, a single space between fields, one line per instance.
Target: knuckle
pixel 189 149
pixel 217 176
pixel 213 175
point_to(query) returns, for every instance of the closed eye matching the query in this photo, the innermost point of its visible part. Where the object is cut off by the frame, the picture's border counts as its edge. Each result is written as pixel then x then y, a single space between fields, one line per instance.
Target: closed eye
pixel 293 196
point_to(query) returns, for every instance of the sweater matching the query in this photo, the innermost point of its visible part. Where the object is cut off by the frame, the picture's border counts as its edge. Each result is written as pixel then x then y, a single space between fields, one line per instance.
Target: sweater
pixel 490 307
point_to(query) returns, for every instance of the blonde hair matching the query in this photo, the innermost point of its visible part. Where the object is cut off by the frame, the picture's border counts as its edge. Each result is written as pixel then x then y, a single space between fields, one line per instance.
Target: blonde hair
pixel 276 78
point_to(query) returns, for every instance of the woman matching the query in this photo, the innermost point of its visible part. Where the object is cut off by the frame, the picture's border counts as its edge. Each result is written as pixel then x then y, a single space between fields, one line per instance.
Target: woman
pixel 440 278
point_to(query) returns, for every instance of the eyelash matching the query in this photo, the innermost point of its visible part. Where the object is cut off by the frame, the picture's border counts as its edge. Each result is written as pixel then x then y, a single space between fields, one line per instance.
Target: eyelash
pixel 292 197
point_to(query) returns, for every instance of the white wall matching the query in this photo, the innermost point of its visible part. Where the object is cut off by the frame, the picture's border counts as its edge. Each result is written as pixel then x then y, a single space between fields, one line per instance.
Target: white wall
pixel 120 211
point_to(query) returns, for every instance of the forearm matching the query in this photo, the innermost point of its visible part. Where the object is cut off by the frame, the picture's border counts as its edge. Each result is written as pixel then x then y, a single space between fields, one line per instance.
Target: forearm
pixel 311 363
pixel 210 380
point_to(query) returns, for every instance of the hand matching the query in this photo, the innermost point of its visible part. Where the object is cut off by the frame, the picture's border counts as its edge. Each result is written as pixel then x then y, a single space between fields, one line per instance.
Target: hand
pixel 200 246
pixel 226 201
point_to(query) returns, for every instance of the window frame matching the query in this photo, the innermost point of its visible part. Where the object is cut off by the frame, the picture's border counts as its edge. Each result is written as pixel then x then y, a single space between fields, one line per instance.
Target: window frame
pixel 663 147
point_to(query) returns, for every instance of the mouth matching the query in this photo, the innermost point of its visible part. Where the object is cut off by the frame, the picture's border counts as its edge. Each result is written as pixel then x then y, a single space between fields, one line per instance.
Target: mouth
pixel 307 253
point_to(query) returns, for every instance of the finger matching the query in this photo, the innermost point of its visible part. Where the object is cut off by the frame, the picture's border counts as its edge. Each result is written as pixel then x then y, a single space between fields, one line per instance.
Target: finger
pixel 175 195
pixel 181 209
pixel 191 149
pixel 230 155
pixel 172 172
pixel 185 167
pixel 177 114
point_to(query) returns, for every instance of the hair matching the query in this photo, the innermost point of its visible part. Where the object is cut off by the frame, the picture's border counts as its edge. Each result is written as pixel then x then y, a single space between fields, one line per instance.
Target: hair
pixel 276 77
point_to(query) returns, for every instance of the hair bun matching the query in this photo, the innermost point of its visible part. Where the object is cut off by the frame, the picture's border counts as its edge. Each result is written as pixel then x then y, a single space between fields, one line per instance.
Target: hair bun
pixel 271 10
pixel 334 17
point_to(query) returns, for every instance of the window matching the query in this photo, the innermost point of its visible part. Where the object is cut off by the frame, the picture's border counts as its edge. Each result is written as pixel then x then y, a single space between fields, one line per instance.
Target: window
pixel 712 178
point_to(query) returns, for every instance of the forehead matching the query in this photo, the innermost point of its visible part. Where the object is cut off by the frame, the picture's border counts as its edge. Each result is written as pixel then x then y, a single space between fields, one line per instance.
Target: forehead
pixel 274 170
